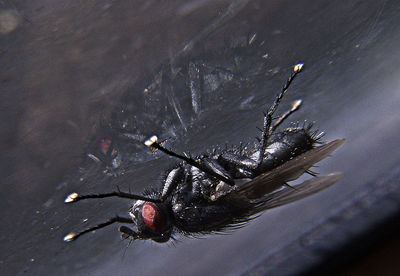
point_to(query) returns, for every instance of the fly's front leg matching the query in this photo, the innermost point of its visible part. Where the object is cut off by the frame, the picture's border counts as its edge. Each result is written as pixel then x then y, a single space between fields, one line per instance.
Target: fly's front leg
pixel 268 128
pixel 73 236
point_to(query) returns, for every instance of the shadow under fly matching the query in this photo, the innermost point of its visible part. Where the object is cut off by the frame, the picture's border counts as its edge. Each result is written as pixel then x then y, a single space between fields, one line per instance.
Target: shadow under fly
pixel 222 191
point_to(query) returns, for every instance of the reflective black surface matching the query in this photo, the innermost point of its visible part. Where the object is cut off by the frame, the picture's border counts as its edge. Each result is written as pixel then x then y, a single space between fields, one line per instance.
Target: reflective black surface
pixel 67 68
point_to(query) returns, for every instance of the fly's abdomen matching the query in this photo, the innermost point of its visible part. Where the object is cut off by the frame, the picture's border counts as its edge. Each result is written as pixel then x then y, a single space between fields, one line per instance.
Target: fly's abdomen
pixel 285 146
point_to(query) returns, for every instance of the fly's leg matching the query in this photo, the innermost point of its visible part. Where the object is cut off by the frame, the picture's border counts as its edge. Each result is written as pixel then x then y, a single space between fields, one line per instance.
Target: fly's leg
pixel 268 128
pixel 203 186
pixel 213 165
pixel 241 166
pixel 170 184
pixel 75 197
pixel 201 164
pixel 295 106
pixel 74 236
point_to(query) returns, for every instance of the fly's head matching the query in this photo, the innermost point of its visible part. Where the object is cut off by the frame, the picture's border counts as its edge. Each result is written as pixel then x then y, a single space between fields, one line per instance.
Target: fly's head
pixel 153 222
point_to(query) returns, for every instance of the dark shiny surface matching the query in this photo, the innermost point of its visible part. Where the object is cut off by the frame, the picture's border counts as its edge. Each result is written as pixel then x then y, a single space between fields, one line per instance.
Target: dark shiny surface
pixel 65 67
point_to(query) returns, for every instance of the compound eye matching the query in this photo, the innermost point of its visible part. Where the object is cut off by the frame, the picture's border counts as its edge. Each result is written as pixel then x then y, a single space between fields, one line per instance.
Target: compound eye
pixel 152 217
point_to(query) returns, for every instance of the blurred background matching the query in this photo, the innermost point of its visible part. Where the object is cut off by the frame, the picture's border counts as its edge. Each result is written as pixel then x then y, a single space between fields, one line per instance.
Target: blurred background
pixel 83 83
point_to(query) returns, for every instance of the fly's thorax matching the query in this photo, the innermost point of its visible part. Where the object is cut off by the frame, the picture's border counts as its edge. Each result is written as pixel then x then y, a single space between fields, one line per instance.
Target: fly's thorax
pixel 153 220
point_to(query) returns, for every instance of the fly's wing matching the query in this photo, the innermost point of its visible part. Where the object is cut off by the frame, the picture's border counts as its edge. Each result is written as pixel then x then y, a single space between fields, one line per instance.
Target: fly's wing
pixel 288 195
pixel 273 180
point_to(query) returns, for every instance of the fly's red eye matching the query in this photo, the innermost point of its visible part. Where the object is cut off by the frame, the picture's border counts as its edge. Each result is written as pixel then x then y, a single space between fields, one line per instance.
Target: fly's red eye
pixel 152 217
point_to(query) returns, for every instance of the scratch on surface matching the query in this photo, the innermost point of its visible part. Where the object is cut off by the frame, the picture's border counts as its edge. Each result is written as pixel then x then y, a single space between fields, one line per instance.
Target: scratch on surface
pixel 375 22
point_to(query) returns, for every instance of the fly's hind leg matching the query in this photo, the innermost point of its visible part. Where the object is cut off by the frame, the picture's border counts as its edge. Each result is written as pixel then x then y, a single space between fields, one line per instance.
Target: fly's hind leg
pixel 268 127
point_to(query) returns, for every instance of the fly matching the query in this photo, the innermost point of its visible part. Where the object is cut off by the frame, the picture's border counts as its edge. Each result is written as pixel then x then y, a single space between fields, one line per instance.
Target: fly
pixel 223 191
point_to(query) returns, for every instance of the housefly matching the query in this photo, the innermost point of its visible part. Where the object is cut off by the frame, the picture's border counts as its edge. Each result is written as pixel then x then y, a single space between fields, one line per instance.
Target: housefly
pixel 224 190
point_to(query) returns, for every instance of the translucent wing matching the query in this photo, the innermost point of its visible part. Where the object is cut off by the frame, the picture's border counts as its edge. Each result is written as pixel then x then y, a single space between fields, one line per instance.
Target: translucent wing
pixel 288 195
pixel 275 179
